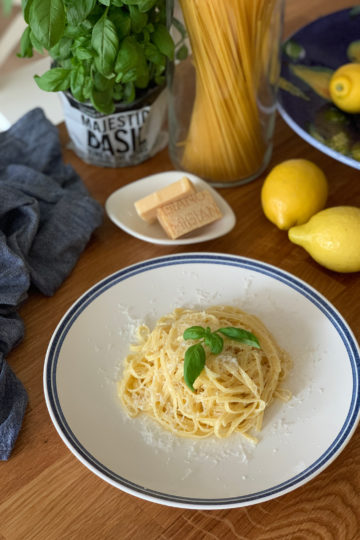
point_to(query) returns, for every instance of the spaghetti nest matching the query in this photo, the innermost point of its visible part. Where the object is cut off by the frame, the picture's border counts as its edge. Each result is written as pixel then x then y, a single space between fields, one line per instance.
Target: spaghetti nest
pixel 232 392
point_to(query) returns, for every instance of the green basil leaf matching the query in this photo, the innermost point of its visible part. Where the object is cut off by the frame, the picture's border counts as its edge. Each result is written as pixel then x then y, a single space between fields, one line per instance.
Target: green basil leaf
pixel 54 80
pixel 86 26
pixel 145 38
pixel 82 41
pixel 159 79
pixel 82 53
pixel 195 355
pixel 73 31
pixel 26 48
pixel 122 22
pixel 130 2
pixel 130 76
pixel 47 21
pixel 25 6
pixel 105 43
pixel 194 332
pixel 67 63
pixel 163 41
pixel 194 363
pixel 101 83
pixel 182 52
pixel 77 12
pixel 129 92
pixel 105 2
pixel 146 5
pixel 138 19
pixel 214 342
pixel 36 43
pixel 153 54
pixel 118 92
pixel 77 81
pixel 241 335
pixel 131 65
pixel 159 15
pixel 88 84
pixel 62 49
pixel 142 78
pixel 102 100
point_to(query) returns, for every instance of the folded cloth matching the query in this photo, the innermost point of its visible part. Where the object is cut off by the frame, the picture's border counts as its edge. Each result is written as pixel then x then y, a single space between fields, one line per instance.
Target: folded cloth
pixel 46 219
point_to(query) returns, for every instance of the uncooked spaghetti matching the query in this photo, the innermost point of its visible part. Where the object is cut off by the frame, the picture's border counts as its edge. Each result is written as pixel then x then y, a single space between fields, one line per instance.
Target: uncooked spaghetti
pixel 233 53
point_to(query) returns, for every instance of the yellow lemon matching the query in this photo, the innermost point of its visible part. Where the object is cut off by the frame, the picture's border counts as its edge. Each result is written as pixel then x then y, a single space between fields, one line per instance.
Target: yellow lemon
pixel 345 88
pixel 292 192
pixel 332 238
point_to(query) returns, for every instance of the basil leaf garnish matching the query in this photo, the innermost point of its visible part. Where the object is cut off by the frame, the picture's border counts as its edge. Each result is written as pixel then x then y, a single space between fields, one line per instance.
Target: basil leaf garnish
pixel 194 332
pixel 194 363
pixel 214 342
pixel 241 335
pixel 195 356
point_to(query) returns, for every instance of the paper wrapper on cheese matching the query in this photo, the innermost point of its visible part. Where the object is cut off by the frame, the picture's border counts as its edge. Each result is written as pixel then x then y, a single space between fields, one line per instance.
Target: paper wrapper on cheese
pixel 147 206
pixel 188 214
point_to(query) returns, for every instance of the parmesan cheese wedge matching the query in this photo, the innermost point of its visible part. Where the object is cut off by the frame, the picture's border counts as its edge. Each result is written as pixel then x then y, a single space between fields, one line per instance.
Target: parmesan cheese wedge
pixel 147 206
pixel 188 214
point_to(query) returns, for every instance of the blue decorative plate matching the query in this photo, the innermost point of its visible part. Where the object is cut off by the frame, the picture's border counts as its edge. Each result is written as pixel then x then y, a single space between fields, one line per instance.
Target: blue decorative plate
pixel 309 58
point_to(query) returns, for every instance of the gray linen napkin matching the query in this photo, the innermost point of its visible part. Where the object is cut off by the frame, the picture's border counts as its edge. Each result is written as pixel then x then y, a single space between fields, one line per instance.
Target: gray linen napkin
pixel 46 220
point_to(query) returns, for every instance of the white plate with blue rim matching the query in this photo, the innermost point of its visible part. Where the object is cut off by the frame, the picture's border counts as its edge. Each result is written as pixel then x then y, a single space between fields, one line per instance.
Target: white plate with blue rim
pixel 84 362
pixel 121 210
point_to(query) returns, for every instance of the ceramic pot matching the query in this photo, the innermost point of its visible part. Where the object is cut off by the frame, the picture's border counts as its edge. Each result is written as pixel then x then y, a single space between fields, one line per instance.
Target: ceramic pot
pixel 129 136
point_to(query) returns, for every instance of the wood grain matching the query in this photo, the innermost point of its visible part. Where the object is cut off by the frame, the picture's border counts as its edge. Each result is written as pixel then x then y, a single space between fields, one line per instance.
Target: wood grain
pixel 46 493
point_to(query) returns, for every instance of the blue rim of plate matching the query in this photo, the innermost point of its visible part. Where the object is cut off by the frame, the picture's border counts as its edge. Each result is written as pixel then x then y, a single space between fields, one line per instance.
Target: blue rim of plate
pixel 316 144
pixel 298 36
pixel 54 405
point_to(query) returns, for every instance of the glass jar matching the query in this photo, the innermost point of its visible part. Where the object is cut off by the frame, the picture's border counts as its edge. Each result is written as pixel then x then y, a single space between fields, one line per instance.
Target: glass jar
pixel 223 87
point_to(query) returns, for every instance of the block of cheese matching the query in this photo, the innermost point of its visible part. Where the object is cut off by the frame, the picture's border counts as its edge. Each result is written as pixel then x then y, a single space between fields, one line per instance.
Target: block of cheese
pixel 188 214
pixel 146 207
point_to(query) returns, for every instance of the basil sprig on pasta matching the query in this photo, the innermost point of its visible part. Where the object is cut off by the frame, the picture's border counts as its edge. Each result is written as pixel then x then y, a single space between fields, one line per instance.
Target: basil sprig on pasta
pixel 195 356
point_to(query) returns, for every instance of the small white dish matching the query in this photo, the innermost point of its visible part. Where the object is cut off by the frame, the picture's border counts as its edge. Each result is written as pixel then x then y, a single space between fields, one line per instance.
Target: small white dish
pixel 121 210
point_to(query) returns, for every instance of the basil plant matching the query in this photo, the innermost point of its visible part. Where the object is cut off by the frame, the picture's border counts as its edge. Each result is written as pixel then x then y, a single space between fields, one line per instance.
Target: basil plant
pixel 103 51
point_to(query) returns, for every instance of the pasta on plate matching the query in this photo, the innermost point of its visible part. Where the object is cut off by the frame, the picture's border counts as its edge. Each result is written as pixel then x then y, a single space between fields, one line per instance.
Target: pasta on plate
pixel 231 393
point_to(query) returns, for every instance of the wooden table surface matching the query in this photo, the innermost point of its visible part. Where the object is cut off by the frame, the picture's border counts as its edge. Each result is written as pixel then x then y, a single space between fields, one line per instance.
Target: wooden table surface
pixel 46 493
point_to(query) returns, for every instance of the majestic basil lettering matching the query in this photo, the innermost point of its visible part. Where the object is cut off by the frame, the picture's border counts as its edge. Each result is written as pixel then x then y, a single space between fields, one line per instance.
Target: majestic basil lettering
pixel 116 134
